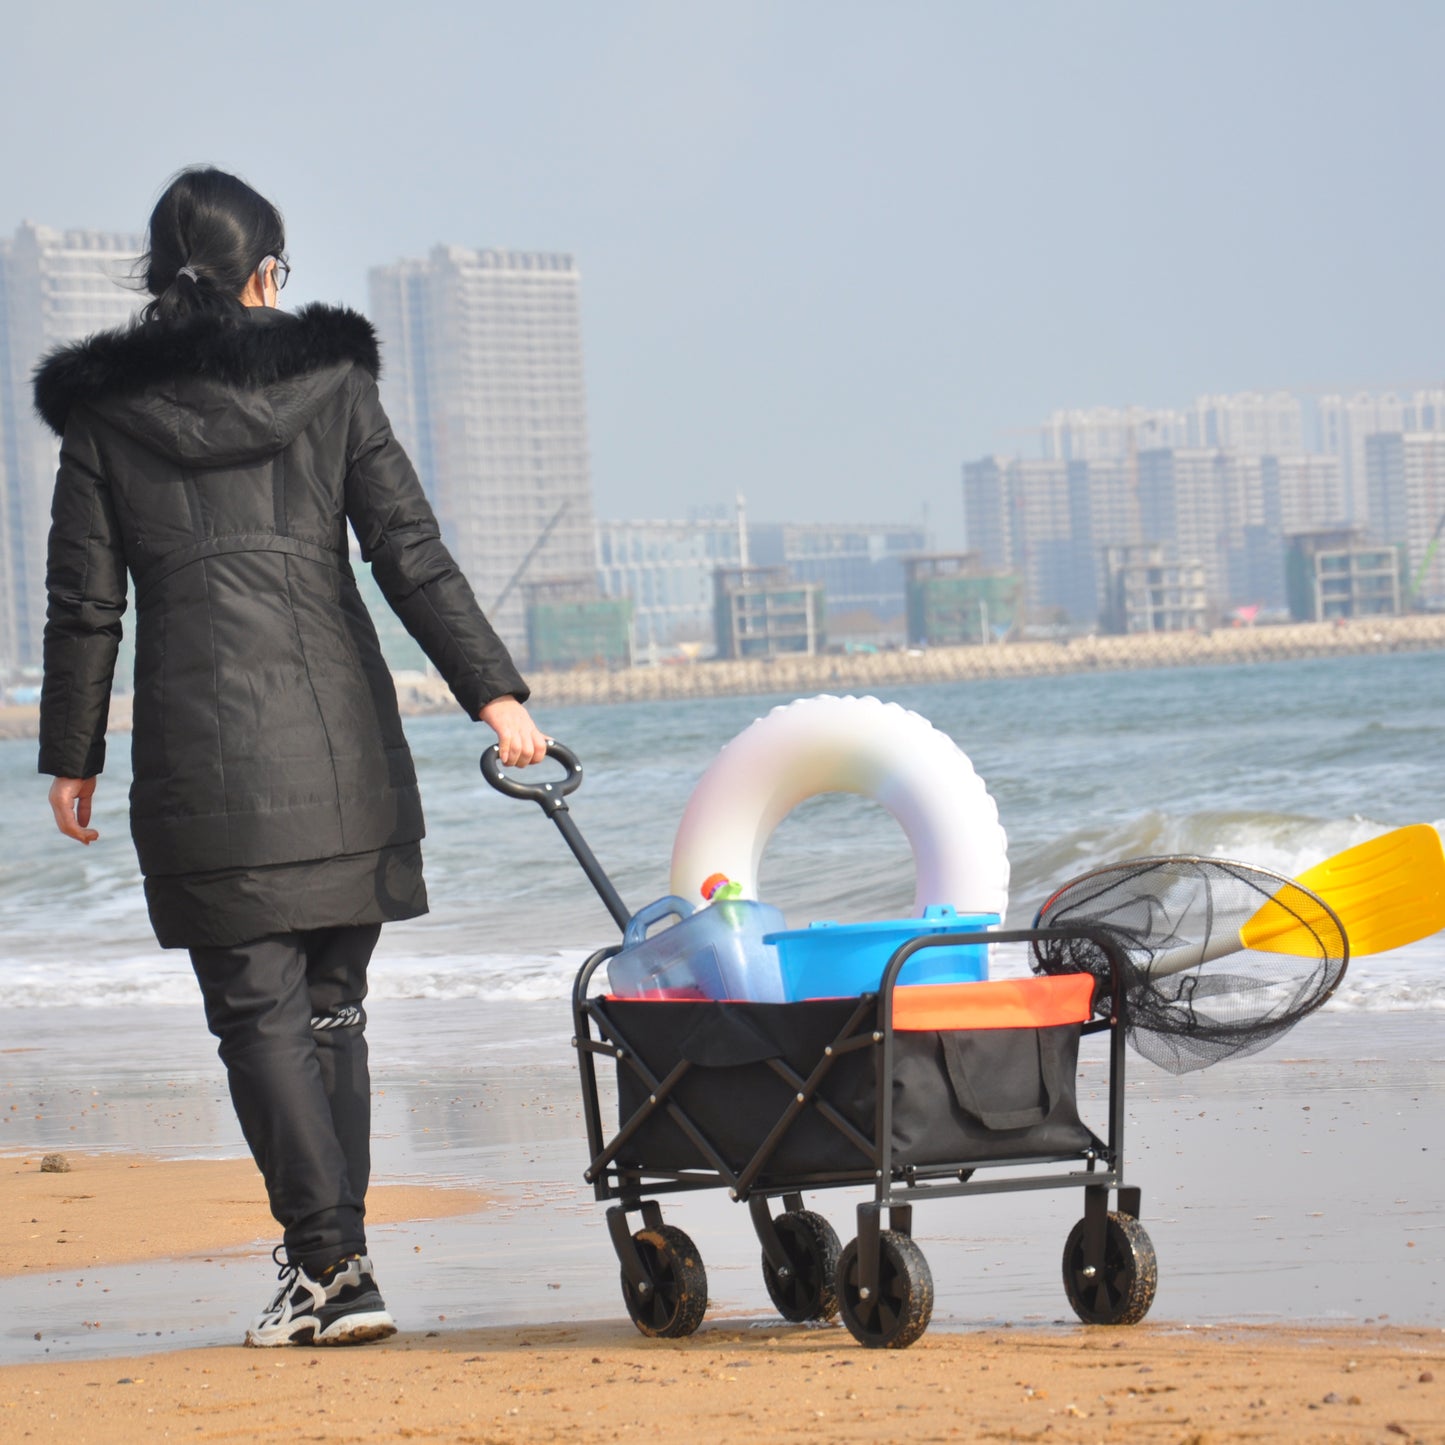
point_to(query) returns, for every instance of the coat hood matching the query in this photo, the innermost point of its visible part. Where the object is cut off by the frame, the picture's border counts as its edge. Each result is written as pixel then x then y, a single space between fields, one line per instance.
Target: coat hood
pixel 211 390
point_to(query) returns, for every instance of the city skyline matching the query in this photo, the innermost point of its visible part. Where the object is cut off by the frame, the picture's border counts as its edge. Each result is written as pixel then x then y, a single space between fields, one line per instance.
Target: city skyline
pixel 485 385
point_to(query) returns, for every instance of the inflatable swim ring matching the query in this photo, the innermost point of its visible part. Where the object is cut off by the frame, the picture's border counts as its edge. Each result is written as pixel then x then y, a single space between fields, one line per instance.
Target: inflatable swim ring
pixel 847 745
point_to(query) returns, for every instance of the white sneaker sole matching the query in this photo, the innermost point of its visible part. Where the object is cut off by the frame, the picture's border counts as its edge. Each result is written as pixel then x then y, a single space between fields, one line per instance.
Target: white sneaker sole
pixel 356 1329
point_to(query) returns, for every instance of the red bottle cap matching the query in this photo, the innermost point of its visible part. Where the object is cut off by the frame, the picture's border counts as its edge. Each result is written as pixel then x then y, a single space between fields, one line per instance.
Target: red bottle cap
pixel 712 883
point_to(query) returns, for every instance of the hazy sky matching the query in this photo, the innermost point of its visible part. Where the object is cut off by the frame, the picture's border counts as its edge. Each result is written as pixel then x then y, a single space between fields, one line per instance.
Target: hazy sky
pixel 830 250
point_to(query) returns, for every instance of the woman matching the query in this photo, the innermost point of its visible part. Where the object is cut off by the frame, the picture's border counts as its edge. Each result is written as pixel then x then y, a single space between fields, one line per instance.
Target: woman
pixel 216 451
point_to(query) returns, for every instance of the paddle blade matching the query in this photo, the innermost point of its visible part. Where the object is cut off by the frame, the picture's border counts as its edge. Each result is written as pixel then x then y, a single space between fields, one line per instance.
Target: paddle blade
pixel 1387 892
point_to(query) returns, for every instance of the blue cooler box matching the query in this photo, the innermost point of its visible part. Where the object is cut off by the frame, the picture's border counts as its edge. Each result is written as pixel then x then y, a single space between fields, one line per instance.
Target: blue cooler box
pixel 835 960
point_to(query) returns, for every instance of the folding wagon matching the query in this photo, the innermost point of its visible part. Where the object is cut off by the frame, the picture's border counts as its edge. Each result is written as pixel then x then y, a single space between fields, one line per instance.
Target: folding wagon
pixel 915 1093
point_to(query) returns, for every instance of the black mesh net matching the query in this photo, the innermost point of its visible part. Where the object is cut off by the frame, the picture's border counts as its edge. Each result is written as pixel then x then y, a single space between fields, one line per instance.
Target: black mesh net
pixel 1221 958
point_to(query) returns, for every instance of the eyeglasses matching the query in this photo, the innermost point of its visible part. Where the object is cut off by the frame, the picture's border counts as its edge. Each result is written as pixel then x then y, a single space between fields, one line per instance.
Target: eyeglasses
pixel 280 270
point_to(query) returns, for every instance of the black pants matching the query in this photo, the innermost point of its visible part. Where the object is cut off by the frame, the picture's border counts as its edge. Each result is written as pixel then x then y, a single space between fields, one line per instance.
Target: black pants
pixel 287 1010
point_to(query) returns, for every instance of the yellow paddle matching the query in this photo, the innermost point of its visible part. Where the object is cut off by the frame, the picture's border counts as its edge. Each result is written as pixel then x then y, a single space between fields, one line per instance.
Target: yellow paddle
pixel 1386 892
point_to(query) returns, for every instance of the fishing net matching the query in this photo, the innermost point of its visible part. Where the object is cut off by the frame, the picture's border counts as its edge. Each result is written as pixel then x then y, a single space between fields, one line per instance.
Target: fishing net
pixel 1220 958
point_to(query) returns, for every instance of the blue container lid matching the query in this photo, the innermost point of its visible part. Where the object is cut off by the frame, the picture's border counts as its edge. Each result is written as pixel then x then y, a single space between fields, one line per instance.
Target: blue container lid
pixel 937 918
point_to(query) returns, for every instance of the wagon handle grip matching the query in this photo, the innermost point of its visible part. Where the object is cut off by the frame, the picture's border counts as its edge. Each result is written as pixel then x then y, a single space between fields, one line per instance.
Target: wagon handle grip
pixel 548 796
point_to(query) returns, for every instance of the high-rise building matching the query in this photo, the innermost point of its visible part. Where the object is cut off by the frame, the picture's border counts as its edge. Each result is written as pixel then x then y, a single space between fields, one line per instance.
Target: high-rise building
pixel 1262 423
pixel 1200 501
pixel 55 286
pixel 1098 432
pixel 1346 422
pixel 1104 513
pixel 1020 515
pixel 1249 421
pixel 1311 491
pixel 1405 483
pixel 483 381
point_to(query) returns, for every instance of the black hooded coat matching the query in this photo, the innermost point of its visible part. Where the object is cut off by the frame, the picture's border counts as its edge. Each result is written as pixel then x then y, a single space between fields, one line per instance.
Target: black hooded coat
pixel 218 461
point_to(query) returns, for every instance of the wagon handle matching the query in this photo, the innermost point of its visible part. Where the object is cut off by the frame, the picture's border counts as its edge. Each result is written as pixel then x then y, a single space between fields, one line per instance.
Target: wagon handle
pixel 552 799
pixel 549 796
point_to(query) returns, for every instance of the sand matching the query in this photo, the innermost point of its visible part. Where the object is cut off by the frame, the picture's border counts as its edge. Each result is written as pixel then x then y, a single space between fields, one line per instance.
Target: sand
pixel 599 1383
pixel 1293 1200
pixel 603 1382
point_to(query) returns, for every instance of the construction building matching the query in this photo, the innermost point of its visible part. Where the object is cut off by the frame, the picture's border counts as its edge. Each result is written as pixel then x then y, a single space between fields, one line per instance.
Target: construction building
pixel 763 612
pixel 954 600
pixel 859 566
pixel 1338 575
pixel 569 625
pixel 1149 590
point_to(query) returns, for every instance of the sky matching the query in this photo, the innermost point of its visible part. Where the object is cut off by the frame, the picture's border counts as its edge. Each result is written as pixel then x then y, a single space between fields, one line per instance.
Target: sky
pixel 829 250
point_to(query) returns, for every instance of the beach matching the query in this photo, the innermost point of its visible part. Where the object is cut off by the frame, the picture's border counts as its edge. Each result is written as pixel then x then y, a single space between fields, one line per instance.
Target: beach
pixel 1292 1199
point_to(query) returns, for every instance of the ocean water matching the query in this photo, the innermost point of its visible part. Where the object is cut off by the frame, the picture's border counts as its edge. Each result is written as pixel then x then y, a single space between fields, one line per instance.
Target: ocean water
pixel 1278 765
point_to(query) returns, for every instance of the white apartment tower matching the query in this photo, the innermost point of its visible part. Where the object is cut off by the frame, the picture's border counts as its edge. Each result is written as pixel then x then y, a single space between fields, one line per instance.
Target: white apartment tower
pixel 1346 422
pixel 1310 489
pixel 482 378
pixel 1262 423
pixel 55 286
pixel 1098 433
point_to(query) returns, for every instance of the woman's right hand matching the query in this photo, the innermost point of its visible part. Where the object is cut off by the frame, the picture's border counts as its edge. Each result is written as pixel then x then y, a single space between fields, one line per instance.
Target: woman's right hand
pixel 70 802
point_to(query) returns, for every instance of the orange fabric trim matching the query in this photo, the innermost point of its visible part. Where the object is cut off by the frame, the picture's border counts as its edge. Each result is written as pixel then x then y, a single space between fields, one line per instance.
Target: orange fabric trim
pixel 1008 1003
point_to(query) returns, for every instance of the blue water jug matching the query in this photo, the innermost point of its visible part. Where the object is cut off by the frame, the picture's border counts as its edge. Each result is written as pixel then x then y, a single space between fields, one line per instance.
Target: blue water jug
pixel 716 953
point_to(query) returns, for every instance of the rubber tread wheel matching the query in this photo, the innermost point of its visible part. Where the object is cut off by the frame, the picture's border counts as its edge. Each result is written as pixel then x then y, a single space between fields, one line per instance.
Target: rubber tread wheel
pixel 1124 1289
pixel 899 1313
pixel 811 1244
pixel 678 1299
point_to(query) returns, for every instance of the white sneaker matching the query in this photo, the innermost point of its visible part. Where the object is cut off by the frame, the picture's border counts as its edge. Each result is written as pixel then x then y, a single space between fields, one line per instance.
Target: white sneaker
pixel 341 1307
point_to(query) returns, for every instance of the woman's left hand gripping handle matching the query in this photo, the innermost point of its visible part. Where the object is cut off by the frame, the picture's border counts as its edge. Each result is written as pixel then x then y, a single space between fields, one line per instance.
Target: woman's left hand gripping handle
pixel 520 742
pixel 70 802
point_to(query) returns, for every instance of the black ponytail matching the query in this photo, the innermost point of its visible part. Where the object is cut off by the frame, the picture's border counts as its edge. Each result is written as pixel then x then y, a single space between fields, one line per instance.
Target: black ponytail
pixel 207 235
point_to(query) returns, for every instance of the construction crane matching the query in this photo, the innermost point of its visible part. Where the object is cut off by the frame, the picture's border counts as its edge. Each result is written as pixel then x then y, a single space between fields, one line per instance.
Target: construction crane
pixel 527 560
pixel 1418 580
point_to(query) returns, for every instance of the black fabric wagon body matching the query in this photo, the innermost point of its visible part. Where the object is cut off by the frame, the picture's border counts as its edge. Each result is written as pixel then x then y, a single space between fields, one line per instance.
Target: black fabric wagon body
pixel 218 463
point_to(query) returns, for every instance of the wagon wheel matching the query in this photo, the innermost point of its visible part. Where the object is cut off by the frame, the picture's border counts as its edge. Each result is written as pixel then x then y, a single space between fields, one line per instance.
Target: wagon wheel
pixel 810 1292
pixel 678 1299
pixel 1121 1292
pixel 899 1313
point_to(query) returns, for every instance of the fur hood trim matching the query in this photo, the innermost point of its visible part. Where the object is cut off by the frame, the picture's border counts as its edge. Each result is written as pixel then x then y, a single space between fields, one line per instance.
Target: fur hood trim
pixel 245 352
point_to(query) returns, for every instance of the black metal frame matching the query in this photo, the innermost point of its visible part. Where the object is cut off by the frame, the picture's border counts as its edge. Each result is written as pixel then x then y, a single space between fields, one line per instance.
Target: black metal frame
pixel 895 1188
